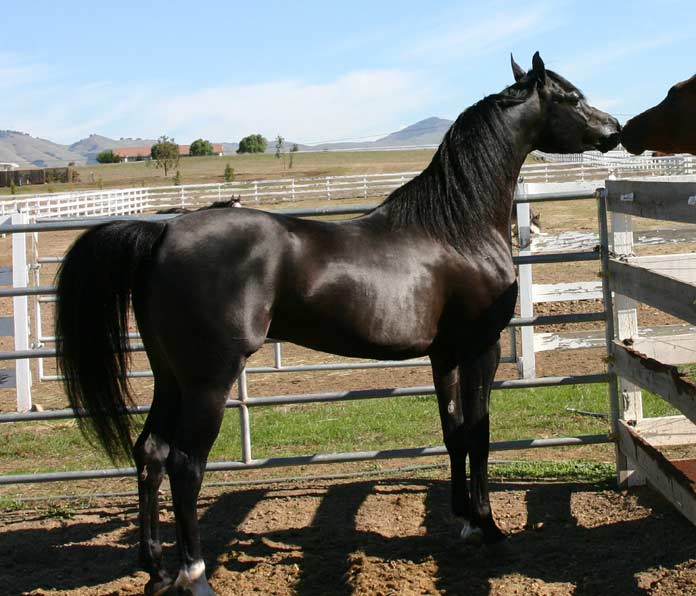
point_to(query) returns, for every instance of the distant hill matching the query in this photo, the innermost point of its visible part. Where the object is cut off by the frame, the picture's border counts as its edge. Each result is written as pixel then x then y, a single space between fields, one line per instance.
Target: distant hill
pixel 426 132
pixel 25 150
pixel 94 144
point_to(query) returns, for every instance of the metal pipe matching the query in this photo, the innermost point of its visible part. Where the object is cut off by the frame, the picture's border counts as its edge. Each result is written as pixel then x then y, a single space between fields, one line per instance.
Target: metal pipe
pixel 327 397
pixel 557 257
pixel 320 458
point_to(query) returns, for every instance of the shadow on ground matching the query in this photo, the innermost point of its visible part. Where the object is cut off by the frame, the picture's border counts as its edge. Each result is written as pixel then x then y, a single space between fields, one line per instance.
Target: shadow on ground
pixel 600 557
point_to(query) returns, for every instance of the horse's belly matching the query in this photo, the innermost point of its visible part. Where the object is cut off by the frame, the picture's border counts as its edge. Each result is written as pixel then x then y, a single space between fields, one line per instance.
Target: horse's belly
pixel 366 336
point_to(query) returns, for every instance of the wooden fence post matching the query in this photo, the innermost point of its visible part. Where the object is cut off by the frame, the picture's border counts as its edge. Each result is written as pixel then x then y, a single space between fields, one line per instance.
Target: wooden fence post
pixel 527 363
pixel 626 325
pixel 20 279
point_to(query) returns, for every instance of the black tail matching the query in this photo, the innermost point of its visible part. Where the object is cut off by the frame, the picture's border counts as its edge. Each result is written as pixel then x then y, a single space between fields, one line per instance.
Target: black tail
pixel 94 286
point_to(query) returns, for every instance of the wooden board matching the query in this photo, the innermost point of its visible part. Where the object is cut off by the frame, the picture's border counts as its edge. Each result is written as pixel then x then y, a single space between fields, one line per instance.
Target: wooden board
pixel 662 379
pixel 665 293
pixel 654 199
pixel 667 431
pixel 675 483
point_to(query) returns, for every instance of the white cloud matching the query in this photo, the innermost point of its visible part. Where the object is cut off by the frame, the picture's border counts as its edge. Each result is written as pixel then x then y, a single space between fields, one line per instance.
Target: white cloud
pixel 592 61
pixel 354 104
pixel 357 103
pixel 455 36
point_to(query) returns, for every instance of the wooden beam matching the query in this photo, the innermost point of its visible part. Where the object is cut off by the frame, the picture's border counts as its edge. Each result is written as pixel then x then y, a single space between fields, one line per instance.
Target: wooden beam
pixel 670 295
pixel 667 431
pixel 662 379
pixel 662 474
pixel 671 201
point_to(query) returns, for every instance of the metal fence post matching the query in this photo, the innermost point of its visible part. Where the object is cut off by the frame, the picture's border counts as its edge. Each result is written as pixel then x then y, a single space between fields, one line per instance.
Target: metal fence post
pixel 244 422
pixel 20 279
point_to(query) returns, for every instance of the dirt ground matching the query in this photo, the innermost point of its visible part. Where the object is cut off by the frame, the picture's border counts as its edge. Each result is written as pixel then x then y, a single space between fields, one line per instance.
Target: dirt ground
pixel 383 537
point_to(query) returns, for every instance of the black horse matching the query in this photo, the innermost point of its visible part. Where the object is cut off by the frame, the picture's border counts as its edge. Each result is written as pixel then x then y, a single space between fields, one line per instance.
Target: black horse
pixel 429 271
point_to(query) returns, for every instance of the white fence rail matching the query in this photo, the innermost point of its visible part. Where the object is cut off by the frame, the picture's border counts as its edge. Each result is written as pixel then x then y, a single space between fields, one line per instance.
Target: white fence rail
pixel 125 201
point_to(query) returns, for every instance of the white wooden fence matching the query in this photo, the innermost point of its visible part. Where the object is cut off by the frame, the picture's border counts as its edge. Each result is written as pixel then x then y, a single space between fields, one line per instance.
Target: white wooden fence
pixel 584 174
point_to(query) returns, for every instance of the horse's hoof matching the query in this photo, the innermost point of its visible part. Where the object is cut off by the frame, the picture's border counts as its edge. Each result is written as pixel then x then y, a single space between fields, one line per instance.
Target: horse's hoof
pixel 160 587
pixel 471 534
pixel 493 535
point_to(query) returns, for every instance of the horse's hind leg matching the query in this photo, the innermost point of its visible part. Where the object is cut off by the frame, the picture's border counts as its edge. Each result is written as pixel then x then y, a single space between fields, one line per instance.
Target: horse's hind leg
pixel 199 421
pixel 476 380
pixel 150 453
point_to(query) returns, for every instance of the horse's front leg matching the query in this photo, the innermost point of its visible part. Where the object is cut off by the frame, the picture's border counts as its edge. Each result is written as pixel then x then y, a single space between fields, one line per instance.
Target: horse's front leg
pixel 476 380
pixel 446 380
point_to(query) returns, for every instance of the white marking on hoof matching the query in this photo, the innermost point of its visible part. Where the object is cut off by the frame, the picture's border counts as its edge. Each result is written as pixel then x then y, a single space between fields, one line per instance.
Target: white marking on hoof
pixel 469 533
pixel 187 576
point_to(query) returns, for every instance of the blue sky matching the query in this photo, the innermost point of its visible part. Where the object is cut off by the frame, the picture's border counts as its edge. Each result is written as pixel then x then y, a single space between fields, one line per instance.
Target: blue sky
pixel 317 71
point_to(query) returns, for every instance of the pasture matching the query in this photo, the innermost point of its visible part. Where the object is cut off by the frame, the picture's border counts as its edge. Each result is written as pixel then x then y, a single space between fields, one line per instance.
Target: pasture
pixel 388 529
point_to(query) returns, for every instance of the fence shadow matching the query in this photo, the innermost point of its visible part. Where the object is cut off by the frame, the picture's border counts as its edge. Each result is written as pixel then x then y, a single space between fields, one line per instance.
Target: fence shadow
pixel 596 558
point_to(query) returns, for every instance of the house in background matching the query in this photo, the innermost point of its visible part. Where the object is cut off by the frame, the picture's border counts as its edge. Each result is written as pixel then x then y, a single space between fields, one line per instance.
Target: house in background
pixel 143 153
pixel 7 166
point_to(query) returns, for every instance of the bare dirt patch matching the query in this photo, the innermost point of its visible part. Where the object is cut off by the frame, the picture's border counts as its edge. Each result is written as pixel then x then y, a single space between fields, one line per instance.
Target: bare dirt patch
pixel 384 537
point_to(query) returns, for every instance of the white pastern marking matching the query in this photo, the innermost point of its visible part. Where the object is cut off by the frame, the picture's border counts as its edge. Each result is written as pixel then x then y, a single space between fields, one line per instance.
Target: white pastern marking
pixel 188 576
pixel 468 532
pixel 450 407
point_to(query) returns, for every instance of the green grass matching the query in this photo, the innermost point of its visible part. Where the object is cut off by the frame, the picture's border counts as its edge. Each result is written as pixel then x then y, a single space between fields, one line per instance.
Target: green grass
pixel 345 426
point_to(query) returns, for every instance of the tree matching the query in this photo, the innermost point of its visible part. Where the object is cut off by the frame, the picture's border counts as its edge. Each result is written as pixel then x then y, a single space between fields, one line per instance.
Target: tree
pixel 229 173
pixel 177 178
pixel 252 144
pixel 165 153
pixel 108 156
pixel 279 146
pixel 201 147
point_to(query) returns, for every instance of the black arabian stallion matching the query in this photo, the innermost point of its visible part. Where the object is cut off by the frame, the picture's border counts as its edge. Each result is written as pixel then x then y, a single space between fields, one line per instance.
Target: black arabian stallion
pixel 429 271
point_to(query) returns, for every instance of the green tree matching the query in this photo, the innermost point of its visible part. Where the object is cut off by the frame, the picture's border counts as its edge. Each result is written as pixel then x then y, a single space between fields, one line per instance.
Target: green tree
pixel 177 178
pixel 108 156
pixel 279 146
pixel 229 173
pixel 165 153
pixel 201 147
pixel 252 144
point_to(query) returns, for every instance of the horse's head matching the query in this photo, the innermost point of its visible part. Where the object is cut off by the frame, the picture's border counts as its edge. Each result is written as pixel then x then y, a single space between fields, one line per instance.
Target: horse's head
pixel 669 127
pixel 568 123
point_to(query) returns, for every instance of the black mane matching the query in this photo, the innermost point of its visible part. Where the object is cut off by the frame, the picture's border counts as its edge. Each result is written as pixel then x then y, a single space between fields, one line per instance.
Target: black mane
pixel 463 193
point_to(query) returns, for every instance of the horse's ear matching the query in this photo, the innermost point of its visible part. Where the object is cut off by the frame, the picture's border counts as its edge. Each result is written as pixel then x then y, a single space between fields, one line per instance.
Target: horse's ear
pixel 517 71
pixel 539 69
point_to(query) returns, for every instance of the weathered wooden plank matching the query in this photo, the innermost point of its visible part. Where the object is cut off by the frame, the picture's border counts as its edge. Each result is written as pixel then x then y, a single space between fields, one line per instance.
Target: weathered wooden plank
pixel 657 200
pixel 671 349
pixel 667 431
pixel 665 293
pixel 662 379
pixel 562 292
pixel 662 474
pixel 679 266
